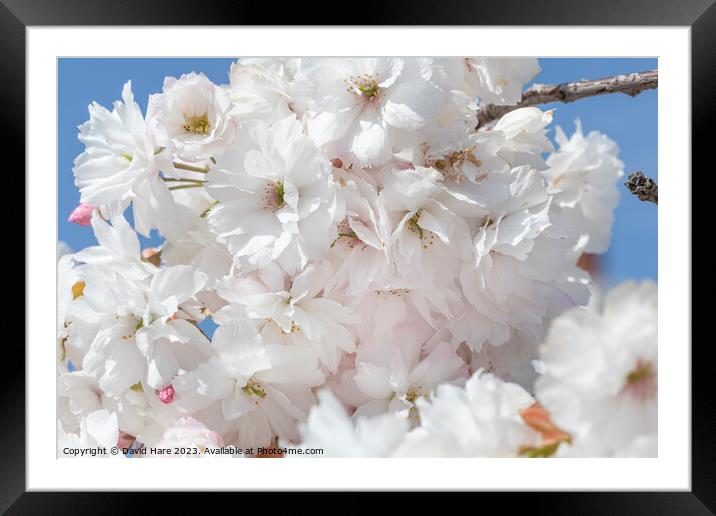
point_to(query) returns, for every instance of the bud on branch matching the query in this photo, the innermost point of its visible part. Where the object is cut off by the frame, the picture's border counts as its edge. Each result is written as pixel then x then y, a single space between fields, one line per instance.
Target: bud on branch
pixel 643 187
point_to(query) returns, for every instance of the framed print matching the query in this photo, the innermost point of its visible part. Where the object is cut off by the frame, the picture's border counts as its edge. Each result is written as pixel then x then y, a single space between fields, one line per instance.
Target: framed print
pixel 359 253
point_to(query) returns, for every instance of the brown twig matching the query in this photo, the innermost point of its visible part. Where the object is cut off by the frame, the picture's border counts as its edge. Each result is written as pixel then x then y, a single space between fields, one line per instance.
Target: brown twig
pixel 630 84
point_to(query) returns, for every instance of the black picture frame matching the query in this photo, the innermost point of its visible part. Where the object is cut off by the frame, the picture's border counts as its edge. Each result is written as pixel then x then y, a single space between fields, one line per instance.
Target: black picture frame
pixel 700 15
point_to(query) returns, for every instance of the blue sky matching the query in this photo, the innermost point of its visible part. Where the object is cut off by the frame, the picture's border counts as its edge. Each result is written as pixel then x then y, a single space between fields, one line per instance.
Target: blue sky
pixel 631 122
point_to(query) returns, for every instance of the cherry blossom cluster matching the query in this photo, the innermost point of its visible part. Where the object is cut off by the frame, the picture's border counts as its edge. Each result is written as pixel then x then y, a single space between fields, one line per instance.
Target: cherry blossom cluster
pixel 388 278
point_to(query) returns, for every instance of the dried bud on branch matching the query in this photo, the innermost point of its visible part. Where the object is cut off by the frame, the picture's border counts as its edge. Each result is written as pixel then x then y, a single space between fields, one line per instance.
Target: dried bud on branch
pixel 643 187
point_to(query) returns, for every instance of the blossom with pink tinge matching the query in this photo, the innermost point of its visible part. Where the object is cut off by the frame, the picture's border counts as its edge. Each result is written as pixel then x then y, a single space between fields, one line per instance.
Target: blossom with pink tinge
pixel 82 214
pixel 190 433
pixel 166 395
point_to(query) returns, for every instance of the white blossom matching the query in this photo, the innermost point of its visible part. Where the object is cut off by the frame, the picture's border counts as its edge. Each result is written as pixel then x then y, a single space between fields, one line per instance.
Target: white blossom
pixel 192 117
pixel 392 376
pixel 262 388
pixel 277 199
pixel 122 162
pixel 350 232
pixel 356 106
pixel 295 314
pixel 600 376
pixel 583 174
pixel 499 80
pixel 189 438
pixel 98 430
pixel 480 420
pixel 330 429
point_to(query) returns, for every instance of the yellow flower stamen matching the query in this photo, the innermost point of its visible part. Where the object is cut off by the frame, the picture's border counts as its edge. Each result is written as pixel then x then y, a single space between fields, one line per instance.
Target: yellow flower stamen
pixel 197 124
pixel 78 289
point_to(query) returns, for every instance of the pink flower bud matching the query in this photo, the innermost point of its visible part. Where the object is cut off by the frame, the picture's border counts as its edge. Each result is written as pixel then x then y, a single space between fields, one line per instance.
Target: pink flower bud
pixel 166 395
pixel 82 214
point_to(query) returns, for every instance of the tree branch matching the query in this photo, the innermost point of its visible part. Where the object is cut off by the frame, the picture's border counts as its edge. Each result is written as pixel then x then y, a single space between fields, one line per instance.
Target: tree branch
pixel 631 84
pixel 643 187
